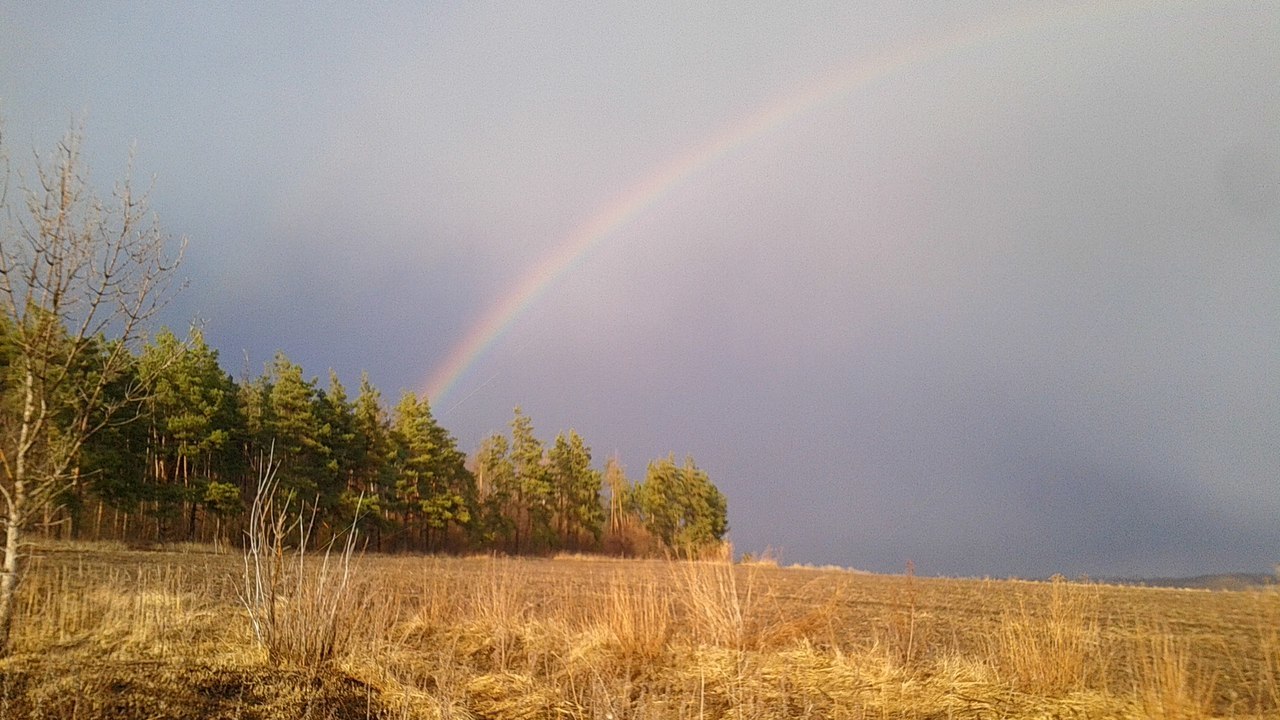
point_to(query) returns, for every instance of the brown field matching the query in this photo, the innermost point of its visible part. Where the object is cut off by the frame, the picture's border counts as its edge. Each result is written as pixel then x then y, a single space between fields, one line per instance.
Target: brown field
pixel 106 632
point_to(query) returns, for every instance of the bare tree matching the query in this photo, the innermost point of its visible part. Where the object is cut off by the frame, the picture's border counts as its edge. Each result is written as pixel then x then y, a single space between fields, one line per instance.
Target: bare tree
pixel 81 280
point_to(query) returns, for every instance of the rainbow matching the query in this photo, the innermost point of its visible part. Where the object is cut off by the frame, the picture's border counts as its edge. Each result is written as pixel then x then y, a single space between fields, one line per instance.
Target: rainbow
pixel 655 187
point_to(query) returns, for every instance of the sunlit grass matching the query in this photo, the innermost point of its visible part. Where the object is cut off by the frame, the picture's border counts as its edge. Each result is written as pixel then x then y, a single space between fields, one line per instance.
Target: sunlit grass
pixel 507 638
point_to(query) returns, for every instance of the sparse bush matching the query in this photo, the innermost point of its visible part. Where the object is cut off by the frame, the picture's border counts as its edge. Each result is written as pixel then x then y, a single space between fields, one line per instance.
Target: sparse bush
pixel 302 609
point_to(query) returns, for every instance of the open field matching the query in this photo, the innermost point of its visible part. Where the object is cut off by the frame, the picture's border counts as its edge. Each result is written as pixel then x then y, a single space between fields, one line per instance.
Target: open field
pixel 108 632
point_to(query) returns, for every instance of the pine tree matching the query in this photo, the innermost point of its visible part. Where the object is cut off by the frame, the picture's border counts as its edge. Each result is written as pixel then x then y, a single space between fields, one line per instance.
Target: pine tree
pixel 622 512
pixel 533 489
pixel 294 424
pixel 112 465
pixel 337 413
pixel 373 475
pixel 575 489
pixel 497 492
pixel 192 412
pixel 435 488
pixel 681 506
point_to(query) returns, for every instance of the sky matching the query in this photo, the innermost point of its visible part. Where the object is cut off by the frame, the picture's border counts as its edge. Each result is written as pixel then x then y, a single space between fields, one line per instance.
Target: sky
pixel 993 287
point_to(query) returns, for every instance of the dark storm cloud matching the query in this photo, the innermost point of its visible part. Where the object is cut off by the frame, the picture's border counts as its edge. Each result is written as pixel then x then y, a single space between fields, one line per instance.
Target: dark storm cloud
pixel 1008 310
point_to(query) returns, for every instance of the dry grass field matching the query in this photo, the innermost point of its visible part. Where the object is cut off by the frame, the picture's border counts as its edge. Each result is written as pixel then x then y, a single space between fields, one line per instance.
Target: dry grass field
pixel 106 632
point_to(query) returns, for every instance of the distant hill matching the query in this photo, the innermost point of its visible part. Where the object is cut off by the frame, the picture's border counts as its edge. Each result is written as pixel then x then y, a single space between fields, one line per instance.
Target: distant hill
pixel 1224 581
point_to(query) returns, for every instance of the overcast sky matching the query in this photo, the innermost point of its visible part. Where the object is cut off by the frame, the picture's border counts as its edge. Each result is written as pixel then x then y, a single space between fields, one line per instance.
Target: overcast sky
pixel 1008 303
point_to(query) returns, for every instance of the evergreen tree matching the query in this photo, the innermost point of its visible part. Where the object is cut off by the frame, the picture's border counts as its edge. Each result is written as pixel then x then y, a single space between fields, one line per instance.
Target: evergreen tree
pixel 192 413
pixel 622 511
pixel 435 488
pixel 497 492
pixel 112 465
pixel 337 413
pixel 575 489
pixel 533 489
pixel 294 424
pixel 373 474
pixel 681 506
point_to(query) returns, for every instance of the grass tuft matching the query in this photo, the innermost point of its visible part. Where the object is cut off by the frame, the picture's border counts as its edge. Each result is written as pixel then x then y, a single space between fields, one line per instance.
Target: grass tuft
pixel 1050 647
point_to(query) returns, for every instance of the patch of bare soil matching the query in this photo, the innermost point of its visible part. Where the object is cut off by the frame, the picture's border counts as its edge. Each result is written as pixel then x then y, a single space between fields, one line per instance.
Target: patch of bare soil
pixel 144 690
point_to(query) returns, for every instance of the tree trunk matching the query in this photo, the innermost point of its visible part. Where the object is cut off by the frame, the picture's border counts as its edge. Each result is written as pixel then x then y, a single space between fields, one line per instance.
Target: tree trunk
pixel 9 578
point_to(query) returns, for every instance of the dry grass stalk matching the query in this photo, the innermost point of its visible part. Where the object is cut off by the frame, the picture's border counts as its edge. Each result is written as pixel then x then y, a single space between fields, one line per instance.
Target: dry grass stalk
pixel 640 622
pixel 1051 650
pixel 1167 687
pixel 716 613
pixel 1267 693
pixel 149 611
pixel 902 632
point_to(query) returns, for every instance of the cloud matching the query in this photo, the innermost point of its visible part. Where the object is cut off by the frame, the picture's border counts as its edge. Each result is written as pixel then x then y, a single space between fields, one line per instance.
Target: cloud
pixel 1009 310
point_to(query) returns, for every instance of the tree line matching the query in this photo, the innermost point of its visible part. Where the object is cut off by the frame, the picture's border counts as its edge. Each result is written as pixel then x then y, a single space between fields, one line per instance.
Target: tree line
pixel 186 462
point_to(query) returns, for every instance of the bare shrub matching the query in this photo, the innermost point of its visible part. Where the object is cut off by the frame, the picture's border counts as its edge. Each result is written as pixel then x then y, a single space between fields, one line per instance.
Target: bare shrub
pixel 302 609
pixel 81 281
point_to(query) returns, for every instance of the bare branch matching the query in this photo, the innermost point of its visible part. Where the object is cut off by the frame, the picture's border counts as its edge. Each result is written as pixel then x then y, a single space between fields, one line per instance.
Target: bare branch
pixel 80 283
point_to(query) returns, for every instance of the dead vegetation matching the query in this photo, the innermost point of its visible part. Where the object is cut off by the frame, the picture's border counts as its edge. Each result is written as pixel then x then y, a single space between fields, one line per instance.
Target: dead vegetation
pixel 107 632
